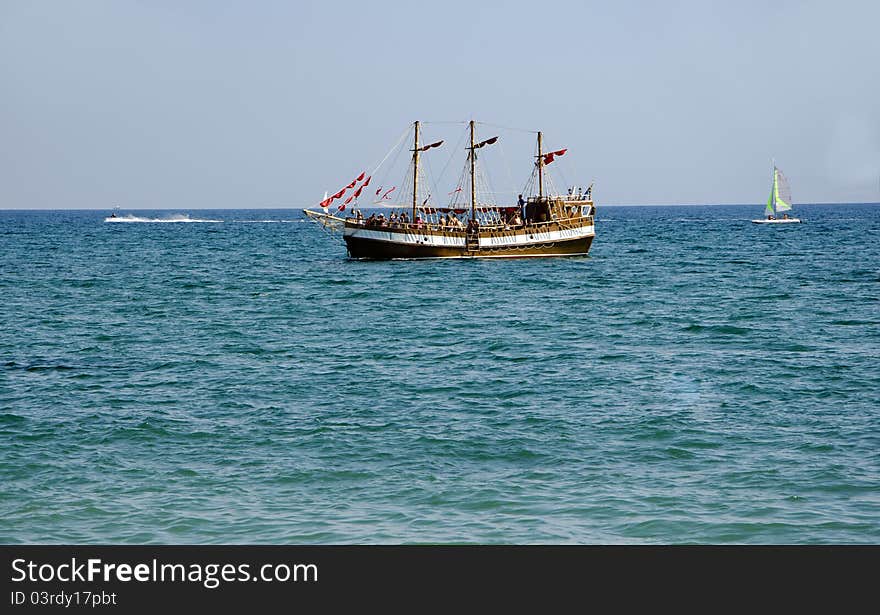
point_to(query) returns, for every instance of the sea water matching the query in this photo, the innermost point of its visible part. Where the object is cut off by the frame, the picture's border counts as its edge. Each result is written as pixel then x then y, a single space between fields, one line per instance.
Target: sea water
pixel 236 379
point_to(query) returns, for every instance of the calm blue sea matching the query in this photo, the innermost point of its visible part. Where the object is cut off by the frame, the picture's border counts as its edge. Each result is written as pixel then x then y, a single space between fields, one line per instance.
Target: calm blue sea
pixel 697 378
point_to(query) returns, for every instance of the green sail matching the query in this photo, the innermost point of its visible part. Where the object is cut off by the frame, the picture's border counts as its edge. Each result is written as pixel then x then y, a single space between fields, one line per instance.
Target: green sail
pixel 782 205
pixel 780 194
pixel 783 197
pixel 769 209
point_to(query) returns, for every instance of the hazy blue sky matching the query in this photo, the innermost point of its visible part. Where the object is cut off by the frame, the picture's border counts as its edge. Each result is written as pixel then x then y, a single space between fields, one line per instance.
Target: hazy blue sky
pixel 267 104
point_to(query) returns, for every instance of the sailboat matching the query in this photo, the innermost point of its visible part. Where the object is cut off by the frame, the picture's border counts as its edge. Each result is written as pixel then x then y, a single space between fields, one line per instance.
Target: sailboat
pixel 543 224
pixel 778 201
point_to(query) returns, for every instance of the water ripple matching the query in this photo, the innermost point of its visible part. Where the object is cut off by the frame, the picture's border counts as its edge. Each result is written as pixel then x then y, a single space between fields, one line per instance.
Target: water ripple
pixel 696 379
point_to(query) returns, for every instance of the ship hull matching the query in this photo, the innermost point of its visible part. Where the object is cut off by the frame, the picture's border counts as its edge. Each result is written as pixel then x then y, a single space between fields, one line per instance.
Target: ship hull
pixel 778 221
pixel 384 243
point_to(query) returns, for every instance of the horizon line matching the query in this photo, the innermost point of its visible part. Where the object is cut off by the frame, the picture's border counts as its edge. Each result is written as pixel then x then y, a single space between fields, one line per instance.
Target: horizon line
pixel 301 207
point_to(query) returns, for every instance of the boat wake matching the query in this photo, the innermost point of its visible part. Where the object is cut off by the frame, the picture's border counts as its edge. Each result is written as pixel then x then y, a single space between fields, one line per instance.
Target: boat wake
pixel 169 219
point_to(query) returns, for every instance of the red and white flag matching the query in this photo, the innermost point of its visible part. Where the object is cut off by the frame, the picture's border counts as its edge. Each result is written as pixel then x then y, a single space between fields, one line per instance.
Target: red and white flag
pixel 548 158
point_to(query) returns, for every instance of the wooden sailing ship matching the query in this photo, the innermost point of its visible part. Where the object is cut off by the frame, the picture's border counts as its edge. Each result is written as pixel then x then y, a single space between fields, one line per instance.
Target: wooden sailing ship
pixel 540 225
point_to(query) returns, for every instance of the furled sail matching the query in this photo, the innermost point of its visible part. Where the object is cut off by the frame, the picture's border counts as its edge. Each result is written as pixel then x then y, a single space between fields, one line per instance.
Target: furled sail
pixel 486 142
pixel 427 147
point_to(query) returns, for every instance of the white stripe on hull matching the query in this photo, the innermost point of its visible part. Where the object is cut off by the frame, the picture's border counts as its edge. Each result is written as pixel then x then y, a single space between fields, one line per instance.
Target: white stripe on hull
pixel 408 239
pixel 482 256
pixel 452 241
pixel 536 238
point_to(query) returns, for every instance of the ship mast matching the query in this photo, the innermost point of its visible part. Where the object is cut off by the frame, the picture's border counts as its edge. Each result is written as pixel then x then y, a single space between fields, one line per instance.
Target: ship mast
pixel 415 173
pixel 540 166
pixel 473 183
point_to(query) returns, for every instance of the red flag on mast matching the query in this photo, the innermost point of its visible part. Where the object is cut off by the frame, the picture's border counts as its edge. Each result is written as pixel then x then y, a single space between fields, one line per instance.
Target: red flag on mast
pixel 548 158
pixel 360 177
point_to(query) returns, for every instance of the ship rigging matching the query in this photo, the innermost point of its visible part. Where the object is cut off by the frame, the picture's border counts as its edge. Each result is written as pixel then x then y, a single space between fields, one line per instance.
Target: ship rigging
pixel 542 224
